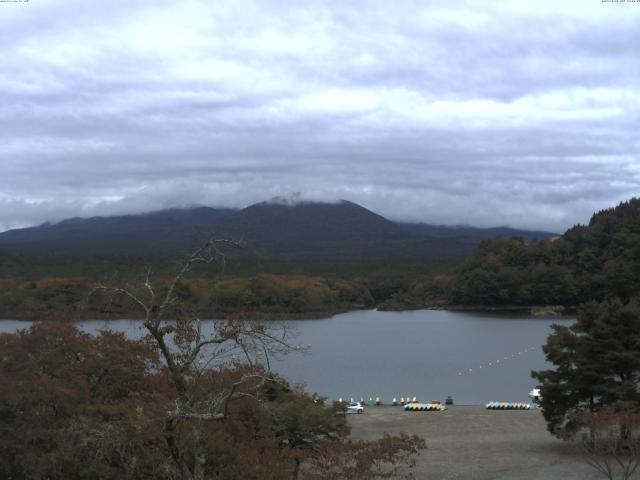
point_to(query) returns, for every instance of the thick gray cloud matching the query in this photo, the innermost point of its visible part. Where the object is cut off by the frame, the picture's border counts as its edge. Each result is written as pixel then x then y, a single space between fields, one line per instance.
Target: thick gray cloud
pixel 481 113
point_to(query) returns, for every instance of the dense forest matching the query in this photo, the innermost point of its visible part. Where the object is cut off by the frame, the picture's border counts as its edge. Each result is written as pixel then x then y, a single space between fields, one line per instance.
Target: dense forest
pixel 260 296
pixel 301 259
pixel 588 262
pixel 32 286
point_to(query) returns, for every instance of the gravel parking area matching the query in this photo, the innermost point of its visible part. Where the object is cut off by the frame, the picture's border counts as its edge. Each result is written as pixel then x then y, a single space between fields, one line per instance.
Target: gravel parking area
pixel 470 442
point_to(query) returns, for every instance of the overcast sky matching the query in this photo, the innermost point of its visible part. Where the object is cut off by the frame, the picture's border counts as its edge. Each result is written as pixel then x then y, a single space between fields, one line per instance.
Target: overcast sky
pixel 483 113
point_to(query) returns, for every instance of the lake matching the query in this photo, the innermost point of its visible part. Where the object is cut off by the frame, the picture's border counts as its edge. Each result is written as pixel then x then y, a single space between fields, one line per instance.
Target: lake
pixel 474 357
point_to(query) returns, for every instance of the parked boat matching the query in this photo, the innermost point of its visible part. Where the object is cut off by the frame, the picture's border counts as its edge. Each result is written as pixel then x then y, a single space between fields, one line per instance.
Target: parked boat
pixel 535 395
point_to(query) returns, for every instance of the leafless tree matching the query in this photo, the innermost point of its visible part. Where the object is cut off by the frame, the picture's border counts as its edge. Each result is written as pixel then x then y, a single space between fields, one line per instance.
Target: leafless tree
pixel 610 441
pixel 189 352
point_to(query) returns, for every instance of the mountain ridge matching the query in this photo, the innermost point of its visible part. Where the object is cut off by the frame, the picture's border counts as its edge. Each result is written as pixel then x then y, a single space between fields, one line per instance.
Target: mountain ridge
pixel 271 229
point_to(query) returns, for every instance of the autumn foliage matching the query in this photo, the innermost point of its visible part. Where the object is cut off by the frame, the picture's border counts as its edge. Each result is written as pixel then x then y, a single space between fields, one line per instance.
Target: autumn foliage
pixel 76 406
pixel 186 402
pixel 262 295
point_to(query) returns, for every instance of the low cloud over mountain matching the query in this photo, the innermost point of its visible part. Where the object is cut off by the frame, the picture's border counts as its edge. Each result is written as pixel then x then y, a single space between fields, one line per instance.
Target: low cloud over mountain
pixel 480 113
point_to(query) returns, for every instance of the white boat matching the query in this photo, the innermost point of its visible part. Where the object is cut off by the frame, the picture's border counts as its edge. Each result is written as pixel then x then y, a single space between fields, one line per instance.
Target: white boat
pixel 534 394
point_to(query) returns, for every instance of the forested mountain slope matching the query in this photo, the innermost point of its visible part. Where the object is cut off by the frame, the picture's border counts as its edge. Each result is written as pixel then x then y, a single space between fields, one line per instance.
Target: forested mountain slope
pixel 271 230
pixel 588 262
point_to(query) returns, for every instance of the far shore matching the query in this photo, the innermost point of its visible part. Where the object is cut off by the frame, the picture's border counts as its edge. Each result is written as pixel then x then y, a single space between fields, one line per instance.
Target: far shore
pixel 534 310
pixel 272 315
pixel 250 315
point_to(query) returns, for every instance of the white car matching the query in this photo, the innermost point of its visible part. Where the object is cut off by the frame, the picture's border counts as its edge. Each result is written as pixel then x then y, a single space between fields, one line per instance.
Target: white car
pixel 355 407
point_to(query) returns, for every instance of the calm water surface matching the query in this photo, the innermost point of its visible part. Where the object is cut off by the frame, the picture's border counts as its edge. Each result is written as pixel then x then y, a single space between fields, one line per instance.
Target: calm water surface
pixel 474 357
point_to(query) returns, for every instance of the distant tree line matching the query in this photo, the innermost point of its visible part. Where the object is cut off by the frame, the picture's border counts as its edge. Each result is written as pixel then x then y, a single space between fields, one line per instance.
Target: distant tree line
pixel 592 262
pixel 264 294
pixel 587 263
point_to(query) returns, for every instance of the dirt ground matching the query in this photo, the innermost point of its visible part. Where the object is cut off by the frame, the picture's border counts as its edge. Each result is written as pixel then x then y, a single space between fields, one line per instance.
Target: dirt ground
pixel 469 442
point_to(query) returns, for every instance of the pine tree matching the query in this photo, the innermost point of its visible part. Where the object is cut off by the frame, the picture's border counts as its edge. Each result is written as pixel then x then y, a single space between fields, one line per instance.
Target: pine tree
pixel 597 364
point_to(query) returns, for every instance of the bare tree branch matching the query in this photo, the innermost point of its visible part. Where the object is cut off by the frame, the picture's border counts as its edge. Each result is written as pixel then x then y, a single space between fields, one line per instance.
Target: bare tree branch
pixel 181 343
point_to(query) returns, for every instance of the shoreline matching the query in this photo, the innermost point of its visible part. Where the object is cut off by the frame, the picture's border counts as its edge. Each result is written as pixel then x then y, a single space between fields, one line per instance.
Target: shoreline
pixel 541 311
pixel 534 310
pixel 250 315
